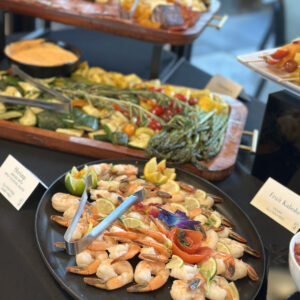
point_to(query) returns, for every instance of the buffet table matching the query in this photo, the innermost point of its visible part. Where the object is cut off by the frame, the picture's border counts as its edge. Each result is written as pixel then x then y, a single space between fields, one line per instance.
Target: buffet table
pixel 23 272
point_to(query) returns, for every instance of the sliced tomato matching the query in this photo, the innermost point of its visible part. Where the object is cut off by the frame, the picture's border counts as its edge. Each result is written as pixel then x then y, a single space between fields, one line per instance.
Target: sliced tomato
pixel 280 53
pixel 202 253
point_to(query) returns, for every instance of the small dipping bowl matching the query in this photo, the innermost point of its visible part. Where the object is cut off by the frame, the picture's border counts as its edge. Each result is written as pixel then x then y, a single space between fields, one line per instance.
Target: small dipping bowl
pixel 49 71
pixel 293 265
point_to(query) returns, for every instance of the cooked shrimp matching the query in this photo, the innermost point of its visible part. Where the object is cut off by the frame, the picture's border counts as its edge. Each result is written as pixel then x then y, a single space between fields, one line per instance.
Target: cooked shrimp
pixel 186 272
pixel 142 276
pixel 211 239
pixel 115 198
pixel 111 276
pixel 125 169
pixel 124 251
pixel 84 258
pixel 237 249
pixel 214 291
pixel 233 268
pixel 101 169
pixel 110 186
pixel 62 201
pixel 181 290
pixel 153 200
pixel 88 262
pixel 149 253
pixel 224 232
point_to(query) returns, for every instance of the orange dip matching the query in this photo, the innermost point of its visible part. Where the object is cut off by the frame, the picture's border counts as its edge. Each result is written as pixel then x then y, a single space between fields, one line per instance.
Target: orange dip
pixel 39 53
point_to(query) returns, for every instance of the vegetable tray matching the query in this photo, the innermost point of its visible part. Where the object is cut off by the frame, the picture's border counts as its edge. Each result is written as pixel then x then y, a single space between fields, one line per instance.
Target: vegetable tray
pixel 89 16
pixel 218 167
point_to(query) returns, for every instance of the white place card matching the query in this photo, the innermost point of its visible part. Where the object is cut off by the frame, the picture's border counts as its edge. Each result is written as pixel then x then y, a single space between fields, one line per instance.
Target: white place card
pixel 279 203
pixel 16 182
pixel 220 84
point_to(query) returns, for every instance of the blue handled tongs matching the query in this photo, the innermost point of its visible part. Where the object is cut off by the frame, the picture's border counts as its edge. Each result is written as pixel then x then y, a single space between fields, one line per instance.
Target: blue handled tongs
pixel 76 247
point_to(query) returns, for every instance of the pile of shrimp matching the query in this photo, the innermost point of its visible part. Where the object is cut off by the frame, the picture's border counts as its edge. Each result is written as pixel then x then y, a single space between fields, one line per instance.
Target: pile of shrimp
pixel 105 263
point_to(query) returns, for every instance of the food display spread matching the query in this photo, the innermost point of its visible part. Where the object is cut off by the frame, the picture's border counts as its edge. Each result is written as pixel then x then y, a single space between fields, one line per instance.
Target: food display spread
pixel 175 232
pixel 176 123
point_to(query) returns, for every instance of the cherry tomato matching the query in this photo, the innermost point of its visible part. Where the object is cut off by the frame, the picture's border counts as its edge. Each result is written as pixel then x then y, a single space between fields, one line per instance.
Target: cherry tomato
pixel 193 101
pixel 155 125
pixel 280 53
pixel 181 97
pixel 152 88
pixel 157 110
pixel 129 129
pixel 290 66
pixel 271 61
pixel 178 110
pixel 160 90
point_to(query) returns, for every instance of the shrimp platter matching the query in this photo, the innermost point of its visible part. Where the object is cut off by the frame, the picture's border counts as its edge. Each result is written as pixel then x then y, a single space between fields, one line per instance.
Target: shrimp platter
pixel 182 235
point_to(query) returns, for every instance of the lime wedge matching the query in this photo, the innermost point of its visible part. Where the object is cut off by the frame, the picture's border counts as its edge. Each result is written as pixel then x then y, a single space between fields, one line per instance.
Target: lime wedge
pixel 221 247
pixel 191 203
pixel 73 185
pixel 104 206
pixel 175 262
pixel 200 194
pixel 234 291
pixel 209 269
pixel 74 171
pixel 131 222
pixel 217 220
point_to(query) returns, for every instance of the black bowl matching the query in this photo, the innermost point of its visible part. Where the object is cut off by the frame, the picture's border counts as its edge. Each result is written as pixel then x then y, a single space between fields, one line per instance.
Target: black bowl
pixel 45 71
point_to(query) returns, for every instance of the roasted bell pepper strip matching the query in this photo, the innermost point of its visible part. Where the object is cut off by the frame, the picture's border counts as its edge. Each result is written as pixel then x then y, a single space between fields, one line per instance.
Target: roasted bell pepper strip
pixel 202 254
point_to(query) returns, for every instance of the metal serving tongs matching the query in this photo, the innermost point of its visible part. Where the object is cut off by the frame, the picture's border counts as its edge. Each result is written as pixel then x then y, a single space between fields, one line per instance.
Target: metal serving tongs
pixel 76 247
pixel 65 104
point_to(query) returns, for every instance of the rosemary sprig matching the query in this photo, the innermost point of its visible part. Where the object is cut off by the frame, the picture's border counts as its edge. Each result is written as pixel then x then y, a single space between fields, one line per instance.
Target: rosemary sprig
pixel 102 101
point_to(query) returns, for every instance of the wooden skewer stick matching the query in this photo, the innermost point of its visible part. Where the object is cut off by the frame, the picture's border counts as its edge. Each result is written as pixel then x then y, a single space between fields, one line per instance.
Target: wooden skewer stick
pixel 289 79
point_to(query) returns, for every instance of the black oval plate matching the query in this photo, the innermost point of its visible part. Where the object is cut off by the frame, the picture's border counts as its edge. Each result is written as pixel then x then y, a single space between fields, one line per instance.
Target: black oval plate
pixel 47 72
pixel 48 232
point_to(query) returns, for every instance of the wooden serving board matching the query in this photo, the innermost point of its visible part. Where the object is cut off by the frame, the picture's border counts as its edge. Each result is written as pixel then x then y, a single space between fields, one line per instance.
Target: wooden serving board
pixel 97 17
pixel 218 167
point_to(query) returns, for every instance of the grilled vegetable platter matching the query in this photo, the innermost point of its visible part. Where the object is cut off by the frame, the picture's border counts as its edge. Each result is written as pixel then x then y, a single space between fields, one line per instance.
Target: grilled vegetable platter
pixel 175 123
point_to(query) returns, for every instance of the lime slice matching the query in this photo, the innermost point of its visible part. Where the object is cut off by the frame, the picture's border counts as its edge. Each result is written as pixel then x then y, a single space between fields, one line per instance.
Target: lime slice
pixel 170 187
pixel 131 222
pixel 104 206
pixel 234 291
pixel 209 269
pixel 217 220
pixel 191 203
pixel 175 262
pixel 221 247
pixel 180 207
pixel 73 185
pixel 74 171
pixel 200 194
pixel 150 167
pixel 169 243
